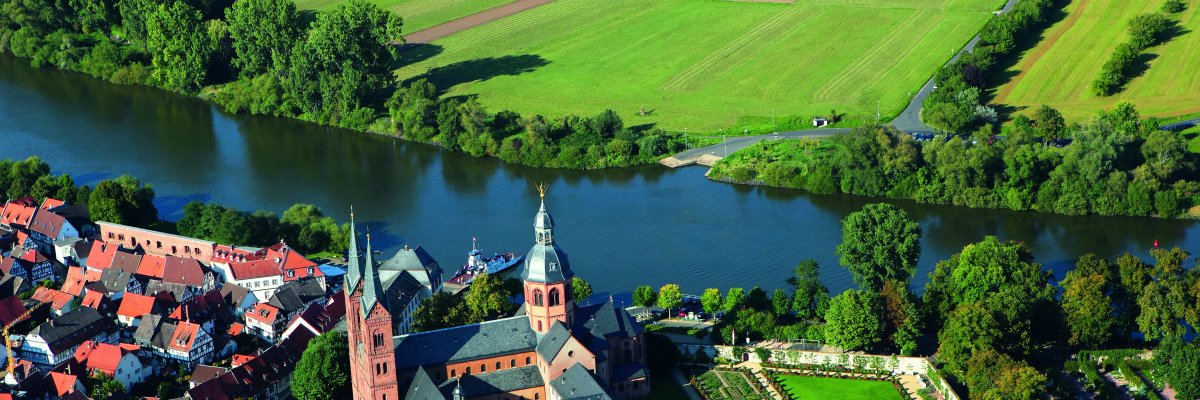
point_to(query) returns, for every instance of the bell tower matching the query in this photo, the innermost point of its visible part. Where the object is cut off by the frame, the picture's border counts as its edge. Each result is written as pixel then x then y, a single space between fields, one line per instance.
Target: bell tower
pixel 368 327
pixel 547 276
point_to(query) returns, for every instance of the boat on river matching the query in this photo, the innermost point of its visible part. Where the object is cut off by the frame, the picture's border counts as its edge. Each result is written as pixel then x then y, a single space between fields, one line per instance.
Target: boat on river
pixel 478 264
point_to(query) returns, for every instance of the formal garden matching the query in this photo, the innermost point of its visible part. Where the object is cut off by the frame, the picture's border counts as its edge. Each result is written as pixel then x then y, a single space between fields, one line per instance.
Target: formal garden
pixel 728 384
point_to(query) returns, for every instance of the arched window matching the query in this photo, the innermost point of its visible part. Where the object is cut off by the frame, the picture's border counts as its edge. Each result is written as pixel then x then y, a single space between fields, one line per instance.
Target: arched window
pixel 453 373
pixel 467 371
pixel 497 365
pixel 512 363
pixel 554 298
pixel 537 297
pixel 526 360
pixel 482 368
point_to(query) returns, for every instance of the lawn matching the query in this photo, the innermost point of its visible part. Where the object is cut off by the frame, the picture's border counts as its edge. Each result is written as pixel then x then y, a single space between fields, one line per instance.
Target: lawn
pixel 702 65
pixel 1060 68
pixel 418 14
pixel 806 387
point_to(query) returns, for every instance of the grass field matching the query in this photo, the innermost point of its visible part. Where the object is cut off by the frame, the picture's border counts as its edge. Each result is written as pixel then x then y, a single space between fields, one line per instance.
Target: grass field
pixel 807 387
pixel 1060 68
pixel 703 64
pixel 418 14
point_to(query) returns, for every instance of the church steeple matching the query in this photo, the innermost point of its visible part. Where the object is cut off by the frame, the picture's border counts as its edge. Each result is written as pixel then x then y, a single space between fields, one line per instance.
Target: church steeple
pixel 372 288
pixel 543 223
pixel 547 276
pixel 354 272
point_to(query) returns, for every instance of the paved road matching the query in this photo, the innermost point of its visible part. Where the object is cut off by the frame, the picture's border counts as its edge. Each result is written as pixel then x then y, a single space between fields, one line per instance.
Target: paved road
pixel 909 120
pixel 1181 125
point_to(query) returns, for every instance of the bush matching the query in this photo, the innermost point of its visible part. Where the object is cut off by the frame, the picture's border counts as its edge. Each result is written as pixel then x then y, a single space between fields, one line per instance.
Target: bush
pixel 1174 6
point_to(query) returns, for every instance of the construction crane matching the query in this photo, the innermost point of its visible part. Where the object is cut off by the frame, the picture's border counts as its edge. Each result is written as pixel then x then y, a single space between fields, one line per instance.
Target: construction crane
pixel 12 362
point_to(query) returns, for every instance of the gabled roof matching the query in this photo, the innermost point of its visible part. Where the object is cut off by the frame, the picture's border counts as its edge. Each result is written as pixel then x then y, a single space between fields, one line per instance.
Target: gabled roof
pixel 127 262
pixel 269 261
pixel 579 384
pixel 152 266
pixel 204 373
pixel 47 223
pixel 402 289
pixel 63 383
pixel 135 305
pixel 102 356
pixel 101 256
pixel 12 311
pixel 502 381
pixel 94 299
pixel 71 329
pixel 176 291
pixel 16 213
pixel 184 271
pixel 465 343
pixel 234 294
pixel 236 328
pixel 115 280
pixel 239 359
pixel 55 298
pixel 73 284
pixel 50 203
pixel 553 341
pixel 185 337
pixel 264 313
pixel 423 388
pixel 294 296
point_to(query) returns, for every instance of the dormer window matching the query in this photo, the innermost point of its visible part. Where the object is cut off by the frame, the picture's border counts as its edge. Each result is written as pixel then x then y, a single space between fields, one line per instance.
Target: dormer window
pixel 291 273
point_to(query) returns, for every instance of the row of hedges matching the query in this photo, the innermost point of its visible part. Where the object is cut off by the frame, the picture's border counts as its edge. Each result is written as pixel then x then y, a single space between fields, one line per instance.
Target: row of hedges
pixel 1145 30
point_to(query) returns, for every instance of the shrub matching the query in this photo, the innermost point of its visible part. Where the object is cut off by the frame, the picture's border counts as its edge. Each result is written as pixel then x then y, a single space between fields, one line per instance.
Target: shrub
pixel 1173 6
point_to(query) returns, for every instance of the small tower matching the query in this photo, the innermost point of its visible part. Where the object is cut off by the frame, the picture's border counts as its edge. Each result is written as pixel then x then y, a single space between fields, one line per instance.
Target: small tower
pixel 547 276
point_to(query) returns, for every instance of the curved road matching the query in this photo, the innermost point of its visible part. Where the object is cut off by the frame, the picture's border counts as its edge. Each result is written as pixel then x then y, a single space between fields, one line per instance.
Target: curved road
pixel 909 120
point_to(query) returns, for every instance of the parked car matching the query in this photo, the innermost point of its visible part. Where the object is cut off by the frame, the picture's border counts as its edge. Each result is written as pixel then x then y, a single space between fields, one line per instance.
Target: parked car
pixel 683 313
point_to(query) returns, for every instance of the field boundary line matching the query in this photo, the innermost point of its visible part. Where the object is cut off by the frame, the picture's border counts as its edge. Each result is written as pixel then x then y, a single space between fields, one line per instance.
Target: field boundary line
pixel 1039 52
pixel 458 25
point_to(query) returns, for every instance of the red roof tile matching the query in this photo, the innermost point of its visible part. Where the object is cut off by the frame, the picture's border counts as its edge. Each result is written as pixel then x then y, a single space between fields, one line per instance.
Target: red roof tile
pixel 16 213
pixel 264 313
pixel 236 328
pixel 238 359
pixel 100 356
pixel 51 203
pixel 47 223
pixel 94 299
pixel 101 256
pixel 12 310
pixel 271 261
pixel 134 305
pixel 184 271
pixel 185 337
pixel 63 383
pixel 73 285
pixel 57 299
pixel 152 266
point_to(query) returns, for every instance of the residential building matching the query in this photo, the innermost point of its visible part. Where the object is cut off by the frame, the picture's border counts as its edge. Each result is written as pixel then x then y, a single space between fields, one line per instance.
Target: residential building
pixel 28 264
pixel 168 340
pixel 55 341
pixel 240 298
pixel 59 302
pixel 264 270
pixel 133 307
pixel 118 361
pixel 155 243
pixel 47 228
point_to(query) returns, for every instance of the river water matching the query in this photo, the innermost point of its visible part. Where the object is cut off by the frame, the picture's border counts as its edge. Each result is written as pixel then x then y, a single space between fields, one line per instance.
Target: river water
pixel 622 228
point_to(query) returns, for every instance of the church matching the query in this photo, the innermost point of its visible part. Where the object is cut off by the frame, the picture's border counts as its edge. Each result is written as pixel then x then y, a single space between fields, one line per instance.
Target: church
pixel 551 349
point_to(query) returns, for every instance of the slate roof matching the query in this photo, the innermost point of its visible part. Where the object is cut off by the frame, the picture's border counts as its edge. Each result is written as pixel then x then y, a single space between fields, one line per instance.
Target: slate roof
pixel 579 384
pixel 154 331
pixel 627 372
pixel 233 293
pixel 545 262
pixel 401 290
pixel 115 280
pixel 204 373
pixel 502 381
pixel 71 329
pixel 417 260
pixel 553 341
pixel 176 290
pixel 294 295
pixel 464 343
pixel 604 320
pixel 423 388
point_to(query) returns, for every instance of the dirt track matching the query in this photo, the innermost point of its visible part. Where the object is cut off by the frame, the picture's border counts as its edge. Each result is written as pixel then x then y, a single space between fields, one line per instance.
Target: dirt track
pixel 471 21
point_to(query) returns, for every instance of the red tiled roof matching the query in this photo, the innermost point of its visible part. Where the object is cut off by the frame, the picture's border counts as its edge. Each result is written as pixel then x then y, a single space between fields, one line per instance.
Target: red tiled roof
pixel 184 271
pixel 127 262
pixel 63 383
pixel 238 359
pixel 33 256
pixel 254 269
pixel 101 256
pixel 94 299
pixel 51 203
pixel 272 261
pixel 236 328
pixel 100 356
pixel 73 285
pixel 134 305
pixel 57 299
pixel 12 311
pixel 16 213
pixel 152 266
pixel 185 337
pixel 7 264
pixel 47 223
pixel 264 313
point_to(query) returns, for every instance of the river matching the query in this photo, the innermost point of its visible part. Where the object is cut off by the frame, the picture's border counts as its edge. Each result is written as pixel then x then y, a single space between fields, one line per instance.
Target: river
pixel 622 228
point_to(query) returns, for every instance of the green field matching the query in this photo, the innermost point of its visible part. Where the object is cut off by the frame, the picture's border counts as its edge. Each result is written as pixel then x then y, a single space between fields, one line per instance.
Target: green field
pixel 418 14
pixel 703 64
pixel 807 387
pixel 1060 68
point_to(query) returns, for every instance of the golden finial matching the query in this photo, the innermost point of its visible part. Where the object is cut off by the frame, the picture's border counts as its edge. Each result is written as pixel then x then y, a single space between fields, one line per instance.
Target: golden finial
pixel 351 211
pixel 541 188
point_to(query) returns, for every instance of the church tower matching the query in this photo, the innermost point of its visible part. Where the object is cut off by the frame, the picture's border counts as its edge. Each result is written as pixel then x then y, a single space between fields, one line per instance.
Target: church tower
pixel 547 276
pixel 369 327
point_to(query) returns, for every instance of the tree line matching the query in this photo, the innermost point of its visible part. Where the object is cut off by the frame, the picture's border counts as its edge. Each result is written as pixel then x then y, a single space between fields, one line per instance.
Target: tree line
pixel 992 315
pixel 265 57
pixel 126 200
pixel 1115 164
pixel 958 104
pixel 1145 30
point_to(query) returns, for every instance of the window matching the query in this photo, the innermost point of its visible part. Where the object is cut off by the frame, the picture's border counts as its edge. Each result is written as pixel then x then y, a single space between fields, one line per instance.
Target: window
pixel 554 297
pixel 291 273
pixel 187 249
pixel 497 365
pixel 110 235
pixel 453 373
pixel 482 368
pixel 537 298
pixel 571 353
pixel 385 368
pixel 513 363
pixel 157 244
pixel 526 360
pixel 310 270
pixel 467 371
pixel 539 326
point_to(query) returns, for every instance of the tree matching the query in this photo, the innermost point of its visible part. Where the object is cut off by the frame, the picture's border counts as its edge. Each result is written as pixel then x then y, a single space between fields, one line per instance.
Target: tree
pixel 581 290
pixel 992 375
pixel 1048 123
pixel 1179 364
pixel 711 300
pixel 852 321
pixel 1165 153
pixel 645 296
pixel 669 296
pixel 902 318
pixel 879 242
pixel 344 61
pixel 486 297
pixel 810 298
pixel 1162 306
pixel 758 300
pixel 735 298
pixel 323 371
pixel 134 14
pixel 970 329
pixel 781 303
pixel 179 47
pixel 263 32
pixel 103 386
pixel 442 310
pixel 123 201
pixel 1088 309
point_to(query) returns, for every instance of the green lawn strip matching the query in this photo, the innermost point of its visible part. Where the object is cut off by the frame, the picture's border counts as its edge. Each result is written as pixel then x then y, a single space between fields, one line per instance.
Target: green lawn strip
pixel 704 65
pixel 417 14
pixel 807 387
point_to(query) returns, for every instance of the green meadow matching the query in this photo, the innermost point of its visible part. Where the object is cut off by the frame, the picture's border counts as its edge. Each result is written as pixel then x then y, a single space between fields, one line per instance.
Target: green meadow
pixel 418 14
pixel 1060 68
pixel 702 65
